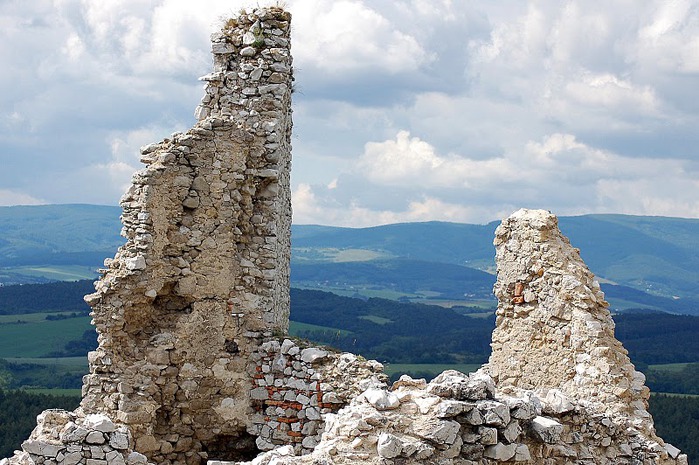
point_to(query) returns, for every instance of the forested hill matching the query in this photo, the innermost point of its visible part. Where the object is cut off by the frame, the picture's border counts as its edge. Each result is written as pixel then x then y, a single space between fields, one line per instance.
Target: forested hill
pixel 380 328
pixel 656 255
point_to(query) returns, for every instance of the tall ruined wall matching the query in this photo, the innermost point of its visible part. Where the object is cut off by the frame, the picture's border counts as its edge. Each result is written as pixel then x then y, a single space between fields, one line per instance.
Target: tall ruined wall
pixel 204 275
pixel 553 328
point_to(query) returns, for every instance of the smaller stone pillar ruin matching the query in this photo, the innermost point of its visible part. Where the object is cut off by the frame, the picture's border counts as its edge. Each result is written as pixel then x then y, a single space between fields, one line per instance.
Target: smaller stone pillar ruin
pixel 553 329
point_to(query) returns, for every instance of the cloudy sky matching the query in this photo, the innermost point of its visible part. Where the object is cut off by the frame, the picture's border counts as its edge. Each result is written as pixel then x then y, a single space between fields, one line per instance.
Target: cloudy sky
pixel 406 110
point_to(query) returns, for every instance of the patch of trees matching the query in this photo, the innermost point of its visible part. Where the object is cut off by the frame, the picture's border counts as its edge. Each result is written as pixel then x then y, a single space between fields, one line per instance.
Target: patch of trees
pixel 653 338
pixel 683 381
pixel 78 347
pixel 404 333
pixel 32 375
pixel 677 422
pixel 51 297
pixel 18 411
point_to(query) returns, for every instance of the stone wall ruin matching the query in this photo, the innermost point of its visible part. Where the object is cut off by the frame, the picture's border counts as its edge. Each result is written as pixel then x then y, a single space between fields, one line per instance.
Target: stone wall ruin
pixel 204 276
pixel 193 364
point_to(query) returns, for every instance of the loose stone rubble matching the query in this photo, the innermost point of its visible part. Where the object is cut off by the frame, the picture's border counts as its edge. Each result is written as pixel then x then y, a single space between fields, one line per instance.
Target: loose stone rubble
pixel 72 438
pixel 193 364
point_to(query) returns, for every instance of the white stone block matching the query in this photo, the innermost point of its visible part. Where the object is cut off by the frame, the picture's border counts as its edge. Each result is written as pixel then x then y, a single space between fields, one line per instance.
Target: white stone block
pixel 547 429
pixel 388 446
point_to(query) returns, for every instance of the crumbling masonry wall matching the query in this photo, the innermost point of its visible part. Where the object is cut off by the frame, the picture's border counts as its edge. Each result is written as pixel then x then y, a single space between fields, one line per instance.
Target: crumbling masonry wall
pixel 204 276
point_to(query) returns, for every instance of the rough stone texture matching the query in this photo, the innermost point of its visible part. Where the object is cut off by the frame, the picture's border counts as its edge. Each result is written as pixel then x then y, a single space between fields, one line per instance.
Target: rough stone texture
pixel 191 312
pixel 292 392
pixel 204 275
pixel 70 438
pixel 553 332
pixel 430 428
pixel 203 279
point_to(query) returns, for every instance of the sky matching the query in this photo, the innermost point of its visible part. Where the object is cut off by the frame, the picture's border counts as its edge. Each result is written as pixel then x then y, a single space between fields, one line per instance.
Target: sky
pixel 405 110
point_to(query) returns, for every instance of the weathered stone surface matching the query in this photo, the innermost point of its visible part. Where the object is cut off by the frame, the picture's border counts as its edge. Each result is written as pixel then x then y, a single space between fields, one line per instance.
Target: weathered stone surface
pixel 312 354
pixel 547 430
pixel 438 431
pixel 459 386
pixel 389 446
pixel 534 256
pixel 381 399
pixel 95 437
pixel 119 440
pixel 206 261
pixel 41 447
pixel 501 452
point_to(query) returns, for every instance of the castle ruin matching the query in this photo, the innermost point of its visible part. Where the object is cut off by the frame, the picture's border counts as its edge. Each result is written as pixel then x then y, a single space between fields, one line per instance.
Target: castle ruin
pixel 193 365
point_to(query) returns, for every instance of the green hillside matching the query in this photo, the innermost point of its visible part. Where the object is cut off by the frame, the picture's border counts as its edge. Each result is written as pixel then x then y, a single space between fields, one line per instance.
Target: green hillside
pixel 56 242
pixel 409 279
pixel 656 255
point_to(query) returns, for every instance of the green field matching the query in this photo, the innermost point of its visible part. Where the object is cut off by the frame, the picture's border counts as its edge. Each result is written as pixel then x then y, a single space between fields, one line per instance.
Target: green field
pixel 295 327
pixel 337 255
pixel 57 272
pixel 376 319
pixel 669 367
pixel 56 392
pixel 38 337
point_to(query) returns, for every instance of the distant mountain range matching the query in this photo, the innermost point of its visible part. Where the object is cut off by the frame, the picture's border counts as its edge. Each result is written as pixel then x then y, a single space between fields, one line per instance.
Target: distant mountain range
pixel 650 262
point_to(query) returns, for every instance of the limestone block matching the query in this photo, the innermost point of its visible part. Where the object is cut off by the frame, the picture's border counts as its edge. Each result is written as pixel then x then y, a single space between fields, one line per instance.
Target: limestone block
pixel 449 408
pixel 555 402
pixel 672 451
pixel 312 354
pixel 136 458
pixel 95 437
pixel 473 417
pixel 135 263
pixel 115 458
pixel 43 448
pixel 389 446
pixel 546 429
pixel 524 408
pixel 73 433
pixel 460 386
pixel 72 458
pixel 435 430
pixel 487 436
pixel 512 431
pixel 119 440
pixel 501 452
pixel 96 462
pixel 312 413
pixel 309 442
pixel 381 399
pixel 494 413
pixel 522 453
pixel 287 344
